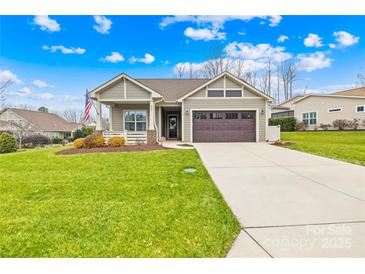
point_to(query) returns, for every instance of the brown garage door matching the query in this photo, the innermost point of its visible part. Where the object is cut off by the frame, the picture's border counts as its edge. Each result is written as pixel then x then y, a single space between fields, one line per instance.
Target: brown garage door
pixel 224 126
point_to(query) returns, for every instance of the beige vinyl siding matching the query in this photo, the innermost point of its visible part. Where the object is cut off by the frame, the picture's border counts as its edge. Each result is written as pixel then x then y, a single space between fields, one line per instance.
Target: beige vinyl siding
pixel 322 104
pixel 247 93
pixel 136 92
pixel 211 104
pixel 231 84
pixel 115 91
pixel 219 83
pixel 118 114
pixel 200 93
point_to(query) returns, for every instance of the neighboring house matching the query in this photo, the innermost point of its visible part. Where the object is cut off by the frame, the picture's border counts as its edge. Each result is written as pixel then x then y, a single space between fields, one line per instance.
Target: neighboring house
pixel 10 127
pixel 45 123
pixel 316 109
pixel 222 109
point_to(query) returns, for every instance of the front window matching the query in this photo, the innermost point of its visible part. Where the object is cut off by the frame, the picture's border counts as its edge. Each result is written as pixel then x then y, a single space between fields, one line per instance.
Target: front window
pixel 360 109
pixel 309 118
pixel 135 120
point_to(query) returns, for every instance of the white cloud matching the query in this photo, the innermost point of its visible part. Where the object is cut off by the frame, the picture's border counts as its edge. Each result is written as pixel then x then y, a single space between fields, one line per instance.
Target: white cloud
pixel 64 50
pixel 313 61
pixel 282 38
pixel 103 24
pixel 204 34
pixel 313 40
pixel 114 57
pixel 25 90
pixel 345 39
pixel 241 33
pixel 332 46
pixel 7 75
pixel 46 23
pixel 147 59
pixel 41 84
pixel 216 21
pixel 275 20
pixel 259 51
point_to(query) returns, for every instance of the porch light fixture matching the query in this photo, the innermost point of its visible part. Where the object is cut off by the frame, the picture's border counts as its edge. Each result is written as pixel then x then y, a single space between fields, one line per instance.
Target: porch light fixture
pixel 262 111
pixel 187 111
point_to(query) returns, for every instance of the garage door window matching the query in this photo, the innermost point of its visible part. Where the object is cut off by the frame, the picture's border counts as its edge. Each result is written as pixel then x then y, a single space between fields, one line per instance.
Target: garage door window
pixel 231 115
pixel 216 115
pixel 200 115
pixel 247 115
pixel 215 93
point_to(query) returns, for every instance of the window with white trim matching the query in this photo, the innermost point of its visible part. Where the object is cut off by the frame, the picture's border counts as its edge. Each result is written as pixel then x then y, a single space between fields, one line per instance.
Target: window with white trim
pixel 233 93
pixel 360 108
pixel 309 118
pixel 135 120
pixel 215 93
pixel 334 109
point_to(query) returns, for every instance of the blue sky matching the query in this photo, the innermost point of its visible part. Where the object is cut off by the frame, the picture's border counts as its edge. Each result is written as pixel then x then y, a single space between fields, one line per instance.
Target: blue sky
pixel 53 59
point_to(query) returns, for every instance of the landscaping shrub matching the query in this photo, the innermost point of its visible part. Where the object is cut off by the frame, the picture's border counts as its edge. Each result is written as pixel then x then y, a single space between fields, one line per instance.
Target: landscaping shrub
pixel 7 143
pixel 79 143
pixel 354 124
pixel 341 124
pixel 94 140
pixel 325 126
pixel 116 141
pixel 78 134
pixel 36 140
pixel 56 140
pixel 87 131
pixel 286 123
pixel 300 126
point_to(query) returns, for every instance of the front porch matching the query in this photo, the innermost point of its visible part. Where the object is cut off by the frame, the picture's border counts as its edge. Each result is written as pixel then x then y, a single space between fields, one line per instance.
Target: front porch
pixel 141 122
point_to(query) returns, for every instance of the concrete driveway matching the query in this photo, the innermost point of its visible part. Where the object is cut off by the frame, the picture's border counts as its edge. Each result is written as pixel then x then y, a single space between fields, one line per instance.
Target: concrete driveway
pixel 289 203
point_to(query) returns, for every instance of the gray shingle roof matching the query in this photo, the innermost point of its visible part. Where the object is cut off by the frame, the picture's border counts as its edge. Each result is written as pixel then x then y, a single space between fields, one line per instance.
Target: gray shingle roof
pixel 173 89
pixel 46 121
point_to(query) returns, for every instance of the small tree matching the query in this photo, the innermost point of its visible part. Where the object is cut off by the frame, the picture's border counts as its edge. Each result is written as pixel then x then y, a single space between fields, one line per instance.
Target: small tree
pixel 341 124
pixel 43 109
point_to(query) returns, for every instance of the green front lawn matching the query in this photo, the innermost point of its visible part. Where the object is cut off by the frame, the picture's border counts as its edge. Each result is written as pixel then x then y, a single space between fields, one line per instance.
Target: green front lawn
pixel 134 204
pixel 347 146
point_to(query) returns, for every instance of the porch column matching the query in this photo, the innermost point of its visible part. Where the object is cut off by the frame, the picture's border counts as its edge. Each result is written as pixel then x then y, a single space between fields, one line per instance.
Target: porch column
pixel 151 116
pixel 111 117
pixel 99 118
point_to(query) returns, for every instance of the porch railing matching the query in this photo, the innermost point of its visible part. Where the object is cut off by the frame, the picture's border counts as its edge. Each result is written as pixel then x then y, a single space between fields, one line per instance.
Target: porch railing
pixel 131 137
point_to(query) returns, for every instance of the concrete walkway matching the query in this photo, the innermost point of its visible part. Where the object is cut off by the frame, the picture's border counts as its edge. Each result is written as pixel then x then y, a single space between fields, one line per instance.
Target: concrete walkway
pixel 289 203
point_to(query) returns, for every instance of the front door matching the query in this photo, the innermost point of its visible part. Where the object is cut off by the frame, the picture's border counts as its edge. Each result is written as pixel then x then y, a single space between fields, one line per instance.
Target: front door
pixel 172 126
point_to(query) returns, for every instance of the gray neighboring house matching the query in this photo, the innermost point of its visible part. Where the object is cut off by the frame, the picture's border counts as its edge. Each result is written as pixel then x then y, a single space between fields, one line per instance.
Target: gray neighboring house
pixel 32 122
pixel 222 109
pixel 316 109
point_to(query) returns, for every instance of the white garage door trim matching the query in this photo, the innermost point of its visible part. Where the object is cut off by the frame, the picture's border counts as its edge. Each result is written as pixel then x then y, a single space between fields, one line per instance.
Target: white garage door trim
pixel 223 109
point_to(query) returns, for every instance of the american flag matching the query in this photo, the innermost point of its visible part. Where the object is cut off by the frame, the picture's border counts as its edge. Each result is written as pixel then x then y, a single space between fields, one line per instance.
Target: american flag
pixel 88 105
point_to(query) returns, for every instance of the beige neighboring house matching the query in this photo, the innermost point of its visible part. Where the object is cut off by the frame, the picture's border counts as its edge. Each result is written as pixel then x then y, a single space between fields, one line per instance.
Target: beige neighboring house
pixel 33 122
pixel 222 109
pixel 316 109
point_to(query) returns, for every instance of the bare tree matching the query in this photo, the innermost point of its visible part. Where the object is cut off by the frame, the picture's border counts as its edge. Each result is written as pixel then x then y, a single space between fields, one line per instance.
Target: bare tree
pixel 288 75
pixel 180 70
pixel 73 115
pixel 193 73
pixel 361 77
pixel 3 87
pixel 216 63
pixel 237 68
pixel 251 77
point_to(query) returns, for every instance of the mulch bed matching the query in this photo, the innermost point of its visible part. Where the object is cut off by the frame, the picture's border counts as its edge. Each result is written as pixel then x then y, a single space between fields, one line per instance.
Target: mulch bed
pixel 281 143
pixel 127 148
